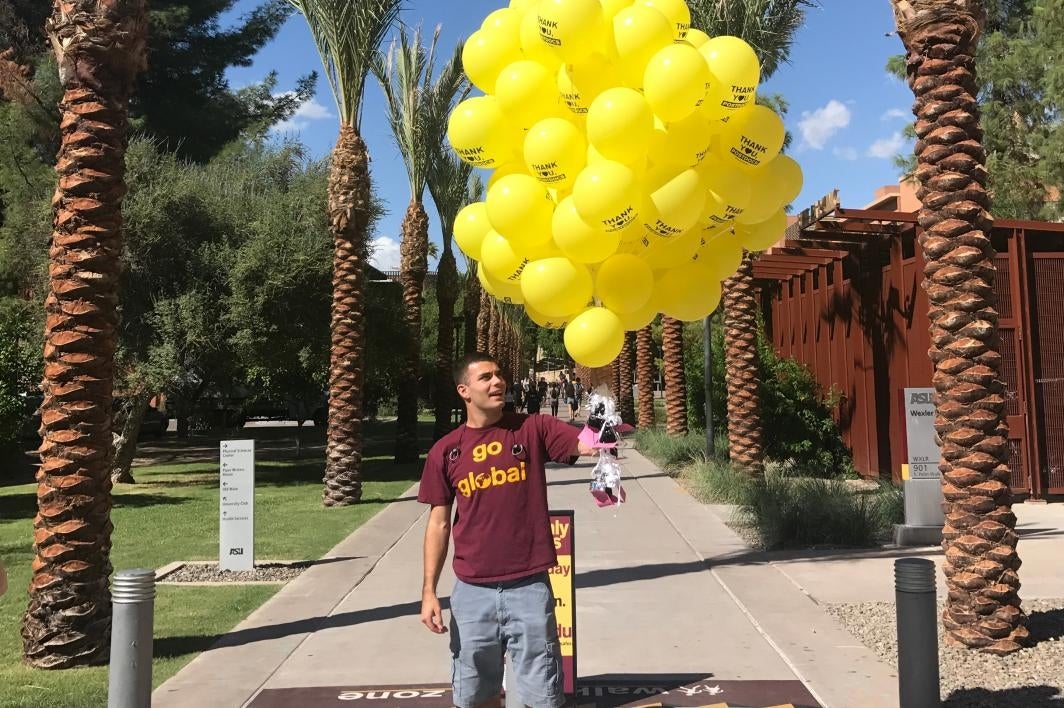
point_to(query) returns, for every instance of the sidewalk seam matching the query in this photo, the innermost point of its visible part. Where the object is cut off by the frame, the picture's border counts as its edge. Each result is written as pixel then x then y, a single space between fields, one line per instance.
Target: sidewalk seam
pixel 738 603
pixel 258 689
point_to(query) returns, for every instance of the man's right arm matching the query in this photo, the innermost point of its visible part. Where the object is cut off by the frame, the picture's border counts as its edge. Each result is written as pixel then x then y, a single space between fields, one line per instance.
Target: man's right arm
pixel 437 538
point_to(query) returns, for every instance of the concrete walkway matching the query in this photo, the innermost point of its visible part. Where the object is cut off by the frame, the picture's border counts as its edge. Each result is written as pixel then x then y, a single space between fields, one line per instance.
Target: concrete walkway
pixel 666 592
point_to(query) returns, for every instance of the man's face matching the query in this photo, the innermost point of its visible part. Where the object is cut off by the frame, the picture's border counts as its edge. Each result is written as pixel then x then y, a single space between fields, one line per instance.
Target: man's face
pixel 484 387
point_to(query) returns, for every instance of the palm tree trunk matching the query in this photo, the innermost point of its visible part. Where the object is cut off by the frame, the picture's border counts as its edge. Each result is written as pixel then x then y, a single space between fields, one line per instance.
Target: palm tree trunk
pixel 414 254
pixel 982 604
pixel 644 374
pixel 493 330
pixel 125 443
pixel 100 49
pixel 626 400
pixel 471 307
pixel 447 284
pixel 675 377
pixel 484 322
pixel 349 203
pixel 745 432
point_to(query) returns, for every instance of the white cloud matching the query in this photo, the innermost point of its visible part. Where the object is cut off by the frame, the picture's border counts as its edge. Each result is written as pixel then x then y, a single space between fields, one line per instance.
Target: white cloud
pixel 308 111
pixel 887 148
pixel 385 252
pixel 845 153
pixel 896 113
pixel 818 126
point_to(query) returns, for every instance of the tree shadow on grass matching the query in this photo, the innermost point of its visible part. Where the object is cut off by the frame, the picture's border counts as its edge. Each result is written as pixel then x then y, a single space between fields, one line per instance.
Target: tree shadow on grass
pixel 14 507
pixel 1028 697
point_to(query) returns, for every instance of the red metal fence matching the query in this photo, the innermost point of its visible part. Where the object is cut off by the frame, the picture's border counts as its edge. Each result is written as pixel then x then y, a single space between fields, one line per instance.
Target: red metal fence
pixel 843 297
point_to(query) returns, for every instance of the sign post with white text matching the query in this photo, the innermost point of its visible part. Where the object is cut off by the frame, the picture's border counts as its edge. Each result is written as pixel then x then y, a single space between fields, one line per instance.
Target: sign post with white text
pixel 561 581
pixel 236 505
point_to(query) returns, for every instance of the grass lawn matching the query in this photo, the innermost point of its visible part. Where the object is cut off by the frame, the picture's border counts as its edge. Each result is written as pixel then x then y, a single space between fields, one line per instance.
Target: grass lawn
pixel 172 514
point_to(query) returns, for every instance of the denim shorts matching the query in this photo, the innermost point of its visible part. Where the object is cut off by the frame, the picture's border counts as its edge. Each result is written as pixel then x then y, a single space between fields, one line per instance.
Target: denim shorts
pixel 514 617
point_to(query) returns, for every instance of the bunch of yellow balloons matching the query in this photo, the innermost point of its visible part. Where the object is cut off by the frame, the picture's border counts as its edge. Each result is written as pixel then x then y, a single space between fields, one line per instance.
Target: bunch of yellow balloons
pixel 631 165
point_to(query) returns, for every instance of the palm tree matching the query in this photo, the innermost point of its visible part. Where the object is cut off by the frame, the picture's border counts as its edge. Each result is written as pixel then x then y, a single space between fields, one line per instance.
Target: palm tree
pixel 769 27
pixel 982 605
pixel 675 379
pixel 745 433
pixel 347 35
pixel 484 321
pixel 625 379
pixel 471 298
pixel 100 48
pixel 452 185
pixel 644 376
pixel 417 113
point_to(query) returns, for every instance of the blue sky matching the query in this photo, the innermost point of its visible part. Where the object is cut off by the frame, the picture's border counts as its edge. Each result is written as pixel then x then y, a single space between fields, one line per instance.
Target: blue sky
pixel 846 114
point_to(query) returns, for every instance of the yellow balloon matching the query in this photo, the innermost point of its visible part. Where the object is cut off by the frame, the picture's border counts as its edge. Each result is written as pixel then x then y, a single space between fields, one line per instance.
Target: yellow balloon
pixel 624 283
pixel 527 93
pixel 736 67
pixel 696 37
pixel 479 133
pixel 677 204
pixel 685 142
pixel 514 167
pixel 606 196
pixel 677 13
pixel 610 8
pixel 766 195
pixel 687 293
pixel 619 125
pixel 638 33
pixel 520 209
pixel 754 139
pixel 500 260
pixel 506 20
pixel 471 225
pixel 595 337
pixel 503 291
pixel 522 5
pixel 532 47
pixel 722 253
pixel 556 286
pixel 578 241
pixel 638 319
pixel 543 250
pixel 486 53
pixel 572 28
pixel 555 152
pixel 546 321
pixel 788 176
pixel 674 82
pixel 676 251
pixel 760 237
pixel 580 84
pixel 728 191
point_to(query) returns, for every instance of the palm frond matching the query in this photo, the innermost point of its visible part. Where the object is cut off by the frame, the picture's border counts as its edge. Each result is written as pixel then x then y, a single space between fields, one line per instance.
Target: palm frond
pixel 348 35
pixel 417 105
pixel 448 182
pixel 768 26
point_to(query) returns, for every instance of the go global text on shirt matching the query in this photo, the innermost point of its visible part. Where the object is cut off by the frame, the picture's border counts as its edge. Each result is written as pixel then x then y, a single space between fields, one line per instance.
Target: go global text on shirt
pixel 495 477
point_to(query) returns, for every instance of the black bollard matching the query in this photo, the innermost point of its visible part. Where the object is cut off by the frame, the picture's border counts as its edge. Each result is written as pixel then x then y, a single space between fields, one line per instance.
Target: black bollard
pixel 914 594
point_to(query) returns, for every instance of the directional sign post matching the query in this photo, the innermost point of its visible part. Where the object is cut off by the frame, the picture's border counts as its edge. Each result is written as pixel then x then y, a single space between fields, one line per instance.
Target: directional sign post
pixel 236 505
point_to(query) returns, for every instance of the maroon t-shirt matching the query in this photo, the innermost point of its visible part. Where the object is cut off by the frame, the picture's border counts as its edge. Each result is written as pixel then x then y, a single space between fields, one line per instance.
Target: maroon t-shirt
pixel 497 481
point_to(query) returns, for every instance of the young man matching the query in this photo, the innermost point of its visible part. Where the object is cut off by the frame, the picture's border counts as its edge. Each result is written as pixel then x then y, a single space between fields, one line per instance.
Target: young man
pixel 493 469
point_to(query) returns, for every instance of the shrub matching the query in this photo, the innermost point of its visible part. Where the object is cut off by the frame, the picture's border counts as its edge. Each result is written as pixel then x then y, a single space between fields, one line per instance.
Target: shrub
pixel 716 482
pixel 671 453
pixel 786 512
pixel 796 413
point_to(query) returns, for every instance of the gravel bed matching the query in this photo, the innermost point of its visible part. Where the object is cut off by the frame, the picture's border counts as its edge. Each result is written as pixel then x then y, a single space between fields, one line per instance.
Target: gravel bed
pixel 210 573
pixel 1032 677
